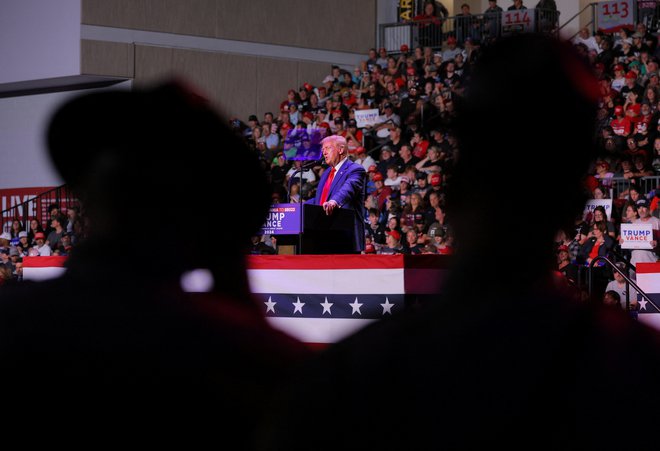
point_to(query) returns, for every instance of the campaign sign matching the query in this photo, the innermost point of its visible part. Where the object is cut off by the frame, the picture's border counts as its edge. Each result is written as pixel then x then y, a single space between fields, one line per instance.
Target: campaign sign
pixel 593 203
pixel 283 219
pixel 636 236
pixel 364 118
pixel 300 144
pixel 615 15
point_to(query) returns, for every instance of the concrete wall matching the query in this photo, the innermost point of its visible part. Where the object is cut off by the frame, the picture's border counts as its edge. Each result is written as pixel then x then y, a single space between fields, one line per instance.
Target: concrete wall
pixel 39 39
pixel 23 122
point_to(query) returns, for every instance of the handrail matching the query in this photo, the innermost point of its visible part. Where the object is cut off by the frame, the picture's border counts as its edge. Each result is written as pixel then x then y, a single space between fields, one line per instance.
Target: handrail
pixel 592 21
pixel 45 193
pixel 478 26
pixel 625 277
pixel 590 5
pixel 34 208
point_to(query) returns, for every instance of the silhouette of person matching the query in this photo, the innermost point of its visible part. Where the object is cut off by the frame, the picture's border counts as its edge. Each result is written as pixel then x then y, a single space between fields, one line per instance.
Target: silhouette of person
pixel 493 365
pixel 116 341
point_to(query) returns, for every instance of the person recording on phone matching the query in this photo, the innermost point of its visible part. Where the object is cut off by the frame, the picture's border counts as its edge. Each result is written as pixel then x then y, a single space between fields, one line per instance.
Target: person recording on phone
pixel 342 185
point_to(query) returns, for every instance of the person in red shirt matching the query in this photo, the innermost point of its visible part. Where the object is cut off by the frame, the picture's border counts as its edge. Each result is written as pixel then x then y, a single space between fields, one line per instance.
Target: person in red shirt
pixel 382 192
pixel 621 124
pixel 430 23
pixel 291 97
pixel 353 136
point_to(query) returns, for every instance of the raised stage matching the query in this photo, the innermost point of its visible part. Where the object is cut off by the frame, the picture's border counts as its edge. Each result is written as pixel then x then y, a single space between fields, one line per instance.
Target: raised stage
pixel 321 299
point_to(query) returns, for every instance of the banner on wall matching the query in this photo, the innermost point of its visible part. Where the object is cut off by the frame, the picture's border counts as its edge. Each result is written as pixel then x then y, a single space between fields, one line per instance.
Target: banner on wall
pixel 614 15
pixel 405 10
pixel 19 198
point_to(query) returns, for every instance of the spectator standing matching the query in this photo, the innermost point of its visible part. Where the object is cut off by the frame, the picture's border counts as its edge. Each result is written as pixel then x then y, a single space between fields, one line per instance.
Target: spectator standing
pixel 492 20
pixel 517 6
pixel 467 25
pixel 429 23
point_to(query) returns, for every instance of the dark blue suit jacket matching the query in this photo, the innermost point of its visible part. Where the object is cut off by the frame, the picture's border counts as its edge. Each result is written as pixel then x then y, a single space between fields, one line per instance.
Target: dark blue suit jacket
pixel 347 190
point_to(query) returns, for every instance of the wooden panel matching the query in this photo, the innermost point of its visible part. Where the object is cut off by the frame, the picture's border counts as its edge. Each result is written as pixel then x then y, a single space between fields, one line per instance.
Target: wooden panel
pixel 106 58
pixel 342 25
pixel 191 17
pixel 115 13
pixel 230 81
pixel 237 85
pixel 152 64
pixel 312 73
pixel 274 79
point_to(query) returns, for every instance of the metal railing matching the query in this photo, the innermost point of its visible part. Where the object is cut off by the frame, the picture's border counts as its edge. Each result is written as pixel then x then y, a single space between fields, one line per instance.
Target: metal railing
pixel 479 27
pixel 38 208
pixel 628 280
pixel 645 184
pixel 591 23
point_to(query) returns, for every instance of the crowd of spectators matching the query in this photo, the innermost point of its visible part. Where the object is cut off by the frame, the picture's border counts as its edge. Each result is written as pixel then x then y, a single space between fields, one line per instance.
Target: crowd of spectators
pixel 63 229
pixel 409 153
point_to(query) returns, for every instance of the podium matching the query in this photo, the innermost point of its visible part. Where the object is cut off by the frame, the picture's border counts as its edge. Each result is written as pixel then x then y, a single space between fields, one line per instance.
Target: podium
pixel 315 232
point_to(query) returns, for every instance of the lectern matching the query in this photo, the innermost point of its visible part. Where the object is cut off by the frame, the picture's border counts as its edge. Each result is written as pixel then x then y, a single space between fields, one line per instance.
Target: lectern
pixel 315 232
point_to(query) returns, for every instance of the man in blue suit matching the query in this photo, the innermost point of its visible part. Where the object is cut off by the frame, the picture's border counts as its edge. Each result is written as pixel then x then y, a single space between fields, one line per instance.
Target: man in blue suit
pixel 342 185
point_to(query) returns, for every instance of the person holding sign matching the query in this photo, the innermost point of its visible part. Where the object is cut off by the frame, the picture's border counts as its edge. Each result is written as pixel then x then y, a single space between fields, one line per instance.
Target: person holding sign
pixel 643 255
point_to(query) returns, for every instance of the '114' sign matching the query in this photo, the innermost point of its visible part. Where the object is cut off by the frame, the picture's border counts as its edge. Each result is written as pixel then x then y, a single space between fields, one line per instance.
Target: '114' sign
pixel 518 21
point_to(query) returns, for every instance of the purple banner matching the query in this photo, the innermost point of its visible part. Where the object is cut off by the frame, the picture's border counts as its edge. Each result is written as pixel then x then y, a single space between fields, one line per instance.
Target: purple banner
pixel 283 219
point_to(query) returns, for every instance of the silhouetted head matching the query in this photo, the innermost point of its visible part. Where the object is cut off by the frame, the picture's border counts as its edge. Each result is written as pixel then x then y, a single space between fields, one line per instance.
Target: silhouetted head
pixel 526 130
pixel 152 165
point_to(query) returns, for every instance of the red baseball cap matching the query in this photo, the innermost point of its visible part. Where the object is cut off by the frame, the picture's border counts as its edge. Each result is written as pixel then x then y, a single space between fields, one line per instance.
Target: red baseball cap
pixel 395 234
pixel 404 48
pixel 436 179
pixel 378 177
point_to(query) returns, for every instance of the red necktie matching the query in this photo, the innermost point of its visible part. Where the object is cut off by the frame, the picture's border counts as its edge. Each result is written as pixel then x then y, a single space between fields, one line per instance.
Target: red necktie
pixel 326 188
